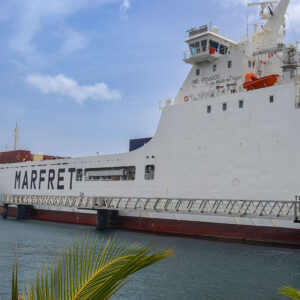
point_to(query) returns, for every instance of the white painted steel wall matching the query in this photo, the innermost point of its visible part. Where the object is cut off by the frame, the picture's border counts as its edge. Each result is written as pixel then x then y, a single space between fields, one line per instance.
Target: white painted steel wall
pixel 249 153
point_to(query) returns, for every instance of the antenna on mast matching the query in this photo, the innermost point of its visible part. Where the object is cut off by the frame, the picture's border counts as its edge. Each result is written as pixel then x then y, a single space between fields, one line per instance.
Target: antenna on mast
pixel 17 134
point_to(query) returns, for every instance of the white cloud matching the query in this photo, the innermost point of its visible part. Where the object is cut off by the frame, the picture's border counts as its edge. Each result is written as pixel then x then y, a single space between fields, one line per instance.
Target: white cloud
pixel 74 42
pixel 124 8
pixel 33 15
pixel 62 85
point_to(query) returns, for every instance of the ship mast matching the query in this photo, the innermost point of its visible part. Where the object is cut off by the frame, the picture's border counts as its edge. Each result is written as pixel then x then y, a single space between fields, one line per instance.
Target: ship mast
pixel 16 135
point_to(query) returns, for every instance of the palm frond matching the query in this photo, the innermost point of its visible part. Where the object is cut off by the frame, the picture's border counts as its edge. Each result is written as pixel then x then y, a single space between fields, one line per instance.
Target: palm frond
pixel 290 292
pixel 14 286
pixel 89 270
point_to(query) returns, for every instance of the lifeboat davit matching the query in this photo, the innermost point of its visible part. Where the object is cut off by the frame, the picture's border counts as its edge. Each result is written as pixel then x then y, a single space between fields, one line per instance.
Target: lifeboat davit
pixel 254 83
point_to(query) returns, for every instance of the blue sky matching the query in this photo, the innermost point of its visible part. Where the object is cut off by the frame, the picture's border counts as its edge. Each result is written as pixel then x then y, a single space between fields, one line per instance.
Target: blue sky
pixel 85 76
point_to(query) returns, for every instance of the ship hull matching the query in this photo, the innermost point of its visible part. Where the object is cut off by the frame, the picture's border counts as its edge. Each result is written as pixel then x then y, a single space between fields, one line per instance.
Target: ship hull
pixel 241 154
pixel 196 229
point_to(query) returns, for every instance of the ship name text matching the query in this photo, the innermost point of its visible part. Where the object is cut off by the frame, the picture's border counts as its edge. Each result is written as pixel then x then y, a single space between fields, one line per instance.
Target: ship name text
pixel 50 179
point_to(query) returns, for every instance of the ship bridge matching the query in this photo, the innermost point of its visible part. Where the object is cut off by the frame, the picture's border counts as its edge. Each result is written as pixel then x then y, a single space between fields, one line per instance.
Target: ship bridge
pixel 206 45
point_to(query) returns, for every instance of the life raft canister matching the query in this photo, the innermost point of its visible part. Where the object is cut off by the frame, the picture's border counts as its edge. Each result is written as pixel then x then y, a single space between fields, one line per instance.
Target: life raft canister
pixel 186 98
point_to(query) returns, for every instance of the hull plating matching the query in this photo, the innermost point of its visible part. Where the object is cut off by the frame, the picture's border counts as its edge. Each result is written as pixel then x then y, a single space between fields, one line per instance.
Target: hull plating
pixel 219 231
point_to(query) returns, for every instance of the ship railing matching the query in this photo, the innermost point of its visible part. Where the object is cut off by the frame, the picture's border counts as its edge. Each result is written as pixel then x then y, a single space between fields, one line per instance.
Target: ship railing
pixel 235 208
pixel 223 90
pixel 200 55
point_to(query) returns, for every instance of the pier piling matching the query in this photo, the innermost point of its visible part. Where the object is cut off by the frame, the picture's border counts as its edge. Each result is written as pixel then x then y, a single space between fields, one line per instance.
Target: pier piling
pixel 102 217
pixel 106 218
pixel 5 211
pixel 20 212
pixel 24 211
pixel 113 218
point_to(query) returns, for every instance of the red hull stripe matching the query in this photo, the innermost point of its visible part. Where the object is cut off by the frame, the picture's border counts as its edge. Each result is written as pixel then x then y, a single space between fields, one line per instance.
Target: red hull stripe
pixel 243 233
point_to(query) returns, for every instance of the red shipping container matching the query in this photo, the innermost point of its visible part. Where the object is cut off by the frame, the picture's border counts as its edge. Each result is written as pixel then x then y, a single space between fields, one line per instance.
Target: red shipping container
pixel 9 157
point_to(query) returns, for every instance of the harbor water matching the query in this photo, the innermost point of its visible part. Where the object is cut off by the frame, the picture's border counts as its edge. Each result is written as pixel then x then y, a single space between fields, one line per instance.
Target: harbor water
pixel 199 269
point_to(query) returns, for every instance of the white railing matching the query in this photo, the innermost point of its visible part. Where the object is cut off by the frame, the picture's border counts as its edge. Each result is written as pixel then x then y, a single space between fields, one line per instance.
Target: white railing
pixel 200 54
pixel 240 208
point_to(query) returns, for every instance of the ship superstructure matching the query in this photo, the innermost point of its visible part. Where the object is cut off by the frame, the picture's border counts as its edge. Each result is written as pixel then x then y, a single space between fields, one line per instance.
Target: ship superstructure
pixel 227 141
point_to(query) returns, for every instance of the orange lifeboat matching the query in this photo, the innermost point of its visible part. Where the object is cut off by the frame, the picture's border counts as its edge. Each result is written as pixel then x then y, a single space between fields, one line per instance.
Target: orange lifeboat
pixel 254 83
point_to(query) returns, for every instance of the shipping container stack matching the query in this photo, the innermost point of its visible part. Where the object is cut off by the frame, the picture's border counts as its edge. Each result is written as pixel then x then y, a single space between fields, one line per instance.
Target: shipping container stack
pixel 18 156
pixel 15 156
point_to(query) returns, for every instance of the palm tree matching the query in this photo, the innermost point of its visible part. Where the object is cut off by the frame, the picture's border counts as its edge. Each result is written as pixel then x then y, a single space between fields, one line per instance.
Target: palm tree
pixel 290 292
pixel 84 271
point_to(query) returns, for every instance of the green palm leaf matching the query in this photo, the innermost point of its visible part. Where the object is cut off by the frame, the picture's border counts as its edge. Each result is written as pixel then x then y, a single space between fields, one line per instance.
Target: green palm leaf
pixel 290 292
pixel 85 270
pixel 14 286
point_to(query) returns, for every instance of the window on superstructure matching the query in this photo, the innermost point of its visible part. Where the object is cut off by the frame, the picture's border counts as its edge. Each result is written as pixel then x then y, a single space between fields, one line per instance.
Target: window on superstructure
pixel 204 45
pixel 197 72
pixel 223 49
pixel 79 174
pixel 195 48
pixel 213 46
pixel 208 109
pixel 271 99
pixel 249 64
pixel 241 103
pixel 224 106
pixel 110 174
pixel 149 172
pixel 229 64
pixel 214 68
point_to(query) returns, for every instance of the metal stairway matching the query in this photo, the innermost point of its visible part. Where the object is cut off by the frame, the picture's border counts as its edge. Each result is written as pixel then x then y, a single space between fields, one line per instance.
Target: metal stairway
pixel 236 208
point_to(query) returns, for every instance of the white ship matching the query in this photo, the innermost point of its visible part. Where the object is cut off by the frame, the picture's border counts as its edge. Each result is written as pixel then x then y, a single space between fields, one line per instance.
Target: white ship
pixel 224 161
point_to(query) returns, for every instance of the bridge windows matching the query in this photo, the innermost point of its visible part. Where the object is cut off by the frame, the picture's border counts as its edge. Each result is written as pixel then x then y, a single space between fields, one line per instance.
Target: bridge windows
pixel 198 47
pixel 110 174
pixel 216 47
pixel 229 64
pixel 195 48
pixel 204 45
pixel 223 49
pixel 214 68
pixel 241 103
pixel 197 72
pixel 249 64
pixel 213 46
pixel 224 106
pixel 208 109
pixel 149 172
pixel 271 99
